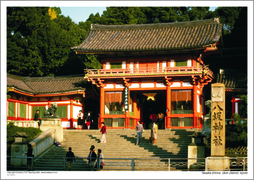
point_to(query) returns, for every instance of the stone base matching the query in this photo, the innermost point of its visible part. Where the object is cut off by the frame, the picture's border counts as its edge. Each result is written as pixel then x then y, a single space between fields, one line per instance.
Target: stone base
pixel 218 164
pixel 195 152
pixel 18 149
pixel 53 123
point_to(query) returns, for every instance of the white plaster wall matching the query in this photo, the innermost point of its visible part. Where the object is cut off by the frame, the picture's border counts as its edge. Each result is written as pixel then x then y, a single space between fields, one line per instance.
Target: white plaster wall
pixel 119 86
pixel 124 65
pixel 109 86
pixel 147 85
pixel 76 111
pixel 172 63
pixel 134 85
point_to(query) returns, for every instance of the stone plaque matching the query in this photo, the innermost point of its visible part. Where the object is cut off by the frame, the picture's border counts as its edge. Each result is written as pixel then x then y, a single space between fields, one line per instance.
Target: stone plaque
pixel 18 139
pixel 217 94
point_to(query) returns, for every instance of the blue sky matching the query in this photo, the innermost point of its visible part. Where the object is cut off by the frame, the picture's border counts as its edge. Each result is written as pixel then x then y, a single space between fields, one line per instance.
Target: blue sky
pixel 78 14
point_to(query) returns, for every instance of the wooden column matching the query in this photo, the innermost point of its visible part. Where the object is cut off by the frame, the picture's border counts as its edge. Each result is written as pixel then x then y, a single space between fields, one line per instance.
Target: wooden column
pixel 194 106
pixel 71 112
pixel 135 110
pixel 102 105
pixel 167 119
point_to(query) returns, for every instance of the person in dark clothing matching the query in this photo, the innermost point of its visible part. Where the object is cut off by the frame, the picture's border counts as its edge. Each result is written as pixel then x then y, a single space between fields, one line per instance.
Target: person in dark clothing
pixel 70 157
pixel 30 155
pixel 100 161
pixel 80 119
pixel 36 118
pixel 92 158
pixel 88 120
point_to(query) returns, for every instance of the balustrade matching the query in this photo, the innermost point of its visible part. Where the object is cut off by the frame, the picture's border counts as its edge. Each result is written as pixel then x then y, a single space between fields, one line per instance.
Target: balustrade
pixel 149 71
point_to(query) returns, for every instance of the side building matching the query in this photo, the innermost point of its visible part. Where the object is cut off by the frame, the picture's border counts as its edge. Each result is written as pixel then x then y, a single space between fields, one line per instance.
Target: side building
pixel 27 94
pixel 152 68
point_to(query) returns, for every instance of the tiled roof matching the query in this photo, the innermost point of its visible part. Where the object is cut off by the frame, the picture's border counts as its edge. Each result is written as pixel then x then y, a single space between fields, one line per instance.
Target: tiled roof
pixel 158 36
pixel 48 85
pixel 233 80
pixel 17 82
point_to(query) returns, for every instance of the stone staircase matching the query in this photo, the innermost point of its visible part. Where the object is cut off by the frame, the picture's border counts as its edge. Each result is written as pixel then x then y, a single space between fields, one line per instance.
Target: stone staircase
pixel 120 144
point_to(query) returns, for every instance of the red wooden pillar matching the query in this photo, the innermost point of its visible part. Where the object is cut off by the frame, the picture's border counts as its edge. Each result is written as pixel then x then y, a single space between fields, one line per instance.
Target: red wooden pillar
pixel 167 119
pixel 102 104
pixel 71 113
pixel 194 106
pixel 135 110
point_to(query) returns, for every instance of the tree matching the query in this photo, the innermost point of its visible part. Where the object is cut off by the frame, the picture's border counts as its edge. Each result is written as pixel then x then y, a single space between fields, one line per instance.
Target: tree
pixel 235 25
pixel 39 40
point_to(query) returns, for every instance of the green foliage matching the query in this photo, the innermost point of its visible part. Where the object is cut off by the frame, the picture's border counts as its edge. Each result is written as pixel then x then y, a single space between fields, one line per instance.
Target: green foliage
pixel 31 132
pixel 38 45
pixel 243 106
pixel 39 41
pixel 235 25
pixel 236 134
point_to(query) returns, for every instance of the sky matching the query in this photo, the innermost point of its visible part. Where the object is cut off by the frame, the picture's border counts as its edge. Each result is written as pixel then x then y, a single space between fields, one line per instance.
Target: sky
pixel 78 14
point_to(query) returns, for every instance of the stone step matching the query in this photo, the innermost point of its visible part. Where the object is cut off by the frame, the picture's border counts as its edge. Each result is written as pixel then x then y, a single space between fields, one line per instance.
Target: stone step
pixel 120 144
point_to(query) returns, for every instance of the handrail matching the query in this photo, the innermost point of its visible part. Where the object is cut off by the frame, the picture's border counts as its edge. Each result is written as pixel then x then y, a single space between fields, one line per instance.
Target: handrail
pixel 235 162
pixel 24 123
pixel 155 70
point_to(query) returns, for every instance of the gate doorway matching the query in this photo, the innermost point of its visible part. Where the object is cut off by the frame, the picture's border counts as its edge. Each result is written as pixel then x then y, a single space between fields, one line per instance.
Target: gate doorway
pixel 152 106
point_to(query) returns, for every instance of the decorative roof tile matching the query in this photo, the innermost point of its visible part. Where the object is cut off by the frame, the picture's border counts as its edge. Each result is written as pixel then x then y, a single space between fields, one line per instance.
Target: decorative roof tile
pixel 158 36
pixel 49 85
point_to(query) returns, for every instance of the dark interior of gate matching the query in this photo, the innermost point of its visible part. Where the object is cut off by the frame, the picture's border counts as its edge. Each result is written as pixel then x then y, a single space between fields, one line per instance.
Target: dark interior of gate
pixel 151 102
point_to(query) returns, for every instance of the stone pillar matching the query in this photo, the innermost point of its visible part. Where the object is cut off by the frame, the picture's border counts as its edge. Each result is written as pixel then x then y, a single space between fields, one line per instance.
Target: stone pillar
pixel 196 150
pixel 53 123
pixel 18 148
pixel 218 161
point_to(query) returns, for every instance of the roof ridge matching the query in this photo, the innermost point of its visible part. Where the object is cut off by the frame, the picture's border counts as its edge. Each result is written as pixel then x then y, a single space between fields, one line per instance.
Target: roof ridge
pixel 154 25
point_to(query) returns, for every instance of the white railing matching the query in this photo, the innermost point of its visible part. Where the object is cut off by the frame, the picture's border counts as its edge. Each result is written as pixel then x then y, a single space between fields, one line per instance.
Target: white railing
pixel 23 123
pixel 147 71
pixel 147 164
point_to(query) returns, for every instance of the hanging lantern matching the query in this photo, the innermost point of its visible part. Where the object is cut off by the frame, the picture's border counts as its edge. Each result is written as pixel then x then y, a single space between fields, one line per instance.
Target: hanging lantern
pixel 150 96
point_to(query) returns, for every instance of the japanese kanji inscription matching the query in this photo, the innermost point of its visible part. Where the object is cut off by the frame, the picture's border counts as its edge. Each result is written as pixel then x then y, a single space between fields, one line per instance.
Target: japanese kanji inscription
pixel 218 120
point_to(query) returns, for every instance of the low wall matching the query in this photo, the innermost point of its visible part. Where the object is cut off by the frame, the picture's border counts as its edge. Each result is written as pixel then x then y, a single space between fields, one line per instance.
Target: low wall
pixel 43 142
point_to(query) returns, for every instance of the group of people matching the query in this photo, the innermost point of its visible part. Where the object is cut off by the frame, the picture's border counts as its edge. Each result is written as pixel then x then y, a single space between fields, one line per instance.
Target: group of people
pixel 95 159
pixel 153 127
pixel 88 123
pixel 140 129
pixel 159 118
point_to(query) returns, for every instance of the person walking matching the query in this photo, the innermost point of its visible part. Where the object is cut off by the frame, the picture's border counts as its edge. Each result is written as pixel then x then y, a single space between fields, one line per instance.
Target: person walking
pixel 70 157
pixel 36 118
pixel 103 132
pixel 92 158
pixel 80 119
pixel 154 130
pixel 161 120
pixel 100 162
pixel 139 130
pixel 88 120
pixel 30 157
